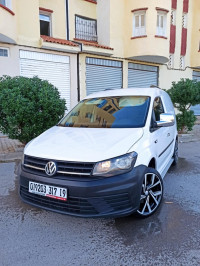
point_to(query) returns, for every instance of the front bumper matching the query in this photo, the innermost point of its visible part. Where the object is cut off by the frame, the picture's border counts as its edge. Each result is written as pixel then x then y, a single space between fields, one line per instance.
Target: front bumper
pixel 104 197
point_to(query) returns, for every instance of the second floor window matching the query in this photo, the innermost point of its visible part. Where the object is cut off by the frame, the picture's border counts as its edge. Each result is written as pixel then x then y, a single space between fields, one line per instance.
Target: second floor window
pixel 139 24
pixel 161 24
pixel 86 28
pixel 6 3
pixel 45 24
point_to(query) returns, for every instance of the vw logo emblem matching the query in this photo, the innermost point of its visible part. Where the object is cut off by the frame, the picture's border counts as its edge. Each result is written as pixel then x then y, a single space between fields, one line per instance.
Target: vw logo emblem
pixel 50 168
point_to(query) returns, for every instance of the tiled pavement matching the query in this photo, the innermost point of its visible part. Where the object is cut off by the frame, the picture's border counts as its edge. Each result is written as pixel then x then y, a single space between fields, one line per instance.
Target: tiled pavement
pixel 12 149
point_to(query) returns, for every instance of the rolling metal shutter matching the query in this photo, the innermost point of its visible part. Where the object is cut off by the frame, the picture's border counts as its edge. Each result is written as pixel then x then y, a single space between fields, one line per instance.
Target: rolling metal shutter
pixel 196 108
pixel 142 76
pixel 102 74
pixel 54 68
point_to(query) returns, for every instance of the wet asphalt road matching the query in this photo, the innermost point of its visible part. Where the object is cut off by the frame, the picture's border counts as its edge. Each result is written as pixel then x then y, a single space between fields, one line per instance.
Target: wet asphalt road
pixel 30 236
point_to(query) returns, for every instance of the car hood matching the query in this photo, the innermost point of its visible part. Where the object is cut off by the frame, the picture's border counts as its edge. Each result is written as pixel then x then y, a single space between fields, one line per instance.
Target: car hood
pixel 83 144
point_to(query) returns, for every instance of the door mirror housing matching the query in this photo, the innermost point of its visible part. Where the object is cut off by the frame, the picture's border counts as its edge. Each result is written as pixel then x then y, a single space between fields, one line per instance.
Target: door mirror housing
pixel 166 120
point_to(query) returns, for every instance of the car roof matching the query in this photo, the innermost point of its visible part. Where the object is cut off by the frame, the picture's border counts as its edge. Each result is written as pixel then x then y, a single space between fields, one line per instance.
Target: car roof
pixel 151 92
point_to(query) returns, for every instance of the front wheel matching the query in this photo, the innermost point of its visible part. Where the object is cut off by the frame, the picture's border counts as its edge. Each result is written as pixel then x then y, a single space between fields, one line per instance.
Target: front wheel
pixel 151 193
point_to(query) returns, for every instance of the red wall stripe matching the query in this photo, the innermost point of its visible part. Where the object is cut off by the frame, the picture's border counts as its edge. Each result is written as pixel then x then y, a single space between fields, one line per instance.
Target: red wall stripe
pixel 185 6
pixel 184 41
pixel 172 39
pixel 174 4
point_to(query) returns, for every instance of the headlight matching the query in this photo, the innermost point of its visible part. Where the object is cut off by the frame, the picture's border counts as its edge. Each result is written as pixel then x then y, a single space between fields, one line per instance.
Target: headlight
pixel 115 166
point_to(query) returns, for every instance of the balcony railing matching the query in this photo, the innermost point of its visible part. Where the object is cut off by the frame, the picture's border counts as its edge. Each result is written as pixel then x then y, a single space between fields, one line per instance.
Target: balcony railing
pixel 86 29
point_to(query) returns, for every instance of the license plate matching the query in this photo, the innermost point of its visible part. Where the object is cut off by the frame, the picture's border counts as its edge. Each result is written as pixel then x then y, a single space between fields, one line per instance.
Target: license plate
pixel 48 191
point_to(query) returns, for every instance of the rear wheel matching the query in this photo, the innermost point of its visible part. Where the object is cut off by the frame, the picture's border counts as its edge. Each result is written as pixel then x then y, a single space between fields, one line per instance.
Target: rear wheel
pixel 151 193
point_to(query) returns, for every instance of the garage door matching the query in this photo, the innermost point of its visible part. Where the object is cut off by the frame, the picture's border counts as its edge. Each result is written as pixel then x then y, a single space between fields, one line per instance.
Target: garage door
pixel 142 76
pixel 196 108
pixel 54 68
pixel 102 74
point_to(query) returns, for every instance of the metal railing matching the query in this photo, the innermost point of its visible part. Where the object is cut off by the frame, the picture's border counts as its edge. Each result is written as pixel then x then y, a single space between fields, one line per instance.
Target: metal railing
pixel 86 29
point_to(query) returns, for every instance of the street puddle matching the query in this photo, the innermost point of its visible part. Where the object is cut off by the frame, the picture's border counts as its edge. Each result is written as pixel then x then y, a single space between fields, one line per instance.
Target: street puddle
pixel 171 227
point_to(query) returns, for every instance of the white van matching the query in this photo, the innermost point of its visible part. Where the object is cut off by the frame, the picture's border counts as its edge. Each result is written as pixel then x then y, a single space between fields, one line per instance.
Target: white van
pixel 106 158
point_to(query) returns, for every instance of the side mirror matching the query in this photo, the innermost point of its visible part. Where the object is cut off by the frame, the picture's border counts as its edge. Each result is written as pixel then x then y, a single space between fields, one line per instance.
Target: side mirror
pixel 166 120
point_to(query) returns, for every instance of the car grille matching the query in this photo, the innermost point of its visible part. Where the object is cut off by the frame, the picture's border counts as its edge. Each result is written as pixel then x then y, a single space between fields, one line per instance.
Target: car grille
pixel 36 165
pixel 79 206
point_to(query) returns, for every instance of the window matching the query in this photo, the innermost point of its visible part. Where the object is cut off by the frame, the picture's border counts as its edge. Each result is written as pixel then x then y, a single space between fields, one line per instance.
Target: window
pixel 161 23
pixel 139 24
pixel 45 24
pixel 129 112
pixel 86 28
pixel 6 3
pixel 4 52
pixel 158 108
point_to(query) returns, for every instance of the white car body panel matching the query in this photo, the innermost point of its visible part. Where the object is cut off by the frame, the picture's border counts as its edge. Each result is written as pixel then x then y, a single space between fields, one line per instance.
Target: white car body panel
pixel 97 144
pixel 83 144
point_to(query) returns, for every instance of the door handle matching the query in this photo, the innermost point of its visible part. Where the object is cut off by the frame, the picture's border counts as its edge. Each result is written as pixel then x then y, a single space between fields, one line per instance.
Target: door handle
pixel 156 141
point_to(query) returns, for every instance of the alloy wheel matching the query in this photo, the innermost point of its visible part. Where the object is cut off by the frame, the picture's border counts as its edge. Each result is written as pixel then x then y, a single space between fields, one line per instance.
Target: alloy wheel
pixel 151 195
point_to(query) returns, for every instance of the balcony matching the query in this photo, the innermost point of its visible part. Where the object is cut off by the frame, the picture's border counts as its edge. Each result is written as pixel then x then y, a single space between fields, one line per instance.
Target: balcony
pixel 85 29
pixel 8 30
pixel 148 38
pixel 152 49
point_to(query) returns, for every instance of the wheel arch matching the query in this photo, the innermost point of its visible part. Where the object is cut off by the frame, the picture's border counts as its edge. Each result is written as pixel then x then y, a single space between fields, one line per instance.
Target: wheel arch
pixel 152 163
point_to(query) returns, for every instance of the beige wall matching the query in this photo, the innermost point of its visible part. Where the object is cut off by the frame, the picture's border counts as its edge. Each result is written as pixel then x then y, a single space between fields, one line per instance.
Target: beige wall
pixel 27 13
pixel 8 25
pixel 195 33
pixel 103 20
pixel 166 77
pixel 24 28
pixel 10 65
pixel 58 16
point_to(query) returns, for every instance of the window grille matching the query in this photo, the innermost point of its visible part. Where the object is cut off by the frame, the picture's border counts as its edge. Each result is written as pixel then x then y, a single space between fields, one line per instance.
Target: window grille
pixel 86 29
pixel 173 17
pixel 184 20
pixel 182 62
pixel 171 61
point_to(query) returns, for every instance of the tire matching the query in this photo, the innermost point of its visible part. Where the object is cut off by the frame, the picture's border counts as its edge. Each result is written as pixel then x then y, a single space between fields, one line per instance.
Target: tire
pixel 175 154
pixel 151 193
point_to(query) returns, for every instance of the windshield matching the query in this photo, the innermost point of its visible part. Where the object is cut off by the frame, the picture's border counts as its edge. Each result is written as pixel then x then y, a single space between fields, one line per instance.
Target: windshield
pixel 109 112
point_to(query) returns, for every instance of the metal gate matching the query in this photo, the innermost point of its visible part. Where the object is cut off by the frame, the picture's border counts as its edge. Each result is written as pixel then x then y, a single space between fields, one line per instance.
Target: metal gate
pixel 102 74
pixel 196 108
pixel 142 76
pixel 54 68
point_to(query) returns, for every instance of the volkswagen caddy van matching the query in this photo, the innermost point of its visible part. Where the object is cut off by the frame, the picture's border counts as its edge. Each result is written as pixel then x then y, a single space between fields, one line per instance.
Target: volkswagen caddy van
pixel 106 158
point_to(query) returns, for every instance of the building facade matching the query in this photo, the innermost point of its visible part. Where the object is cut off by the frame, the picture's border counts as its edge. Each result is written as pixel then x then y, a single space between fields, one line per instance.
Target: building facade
pixel 91 45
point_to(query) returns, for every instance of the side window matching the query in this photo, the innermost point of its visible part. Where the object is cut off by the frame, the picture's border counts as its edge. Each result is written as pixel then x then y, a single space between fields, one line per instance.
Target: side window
pixel 158 108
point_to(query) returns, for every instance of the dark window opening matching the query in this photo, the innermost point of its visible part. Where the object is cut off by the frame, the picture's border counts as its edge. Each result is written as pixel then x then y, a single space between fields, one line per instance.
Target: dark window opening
pixel 45 25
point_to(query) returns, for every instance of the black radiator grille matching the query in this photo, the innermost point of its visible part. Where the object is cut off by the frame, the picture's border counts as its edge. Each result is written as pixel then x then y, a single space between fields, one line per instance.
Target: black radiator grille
pixel 71 169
